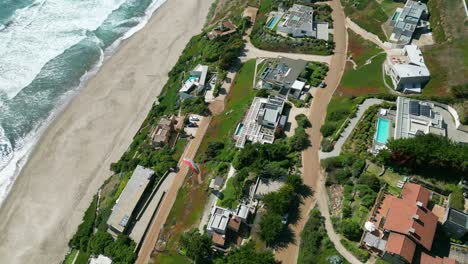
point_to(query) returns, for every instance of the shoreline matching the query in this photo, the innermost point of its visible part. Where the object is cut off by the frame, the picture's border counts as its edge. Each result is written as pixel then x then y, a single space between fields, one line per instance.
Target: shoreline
pixel 72 158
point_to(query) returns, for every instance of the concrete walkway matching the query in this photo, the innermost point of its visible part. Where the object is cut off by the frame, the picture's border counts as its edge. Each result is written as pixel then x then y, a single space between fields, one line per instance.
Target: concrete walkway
pixel 365 34
pixel 347 131
pixel 322 201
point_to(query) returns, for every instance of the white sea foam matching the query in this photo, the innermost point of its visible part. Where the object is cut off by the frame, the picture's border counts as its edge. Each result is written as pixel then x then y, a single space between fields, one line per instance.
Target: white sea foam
pixel 13 163
pixel 41 32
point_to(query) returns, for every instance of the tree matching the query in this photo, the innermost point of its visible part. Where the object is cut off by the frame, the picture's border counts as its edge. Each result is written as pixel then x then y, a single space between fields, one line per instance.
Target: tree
pixel 122 250
pixel 272 170
pixel 295 181
pixel 351 229
pixel 196 105
pixel 213 149
pixel 370 180
pixel 247 254
pixel 279 202
pixel 263 93
pixel 99 242
pixel 196 246
pixel 300 140
pixel 271 227
pixel 303 121
pixel 328 129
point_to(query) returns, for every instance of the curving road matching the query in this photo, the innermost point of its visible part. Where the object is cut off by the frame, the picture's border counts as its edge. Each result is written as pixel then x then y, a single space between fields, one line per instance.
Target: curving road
pixel 310 158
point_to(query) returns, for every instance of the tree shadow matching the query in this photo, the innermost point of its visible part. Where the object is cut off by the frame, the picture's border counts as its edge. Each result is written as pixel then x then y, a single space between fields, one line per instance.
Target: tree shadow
pixel 285 238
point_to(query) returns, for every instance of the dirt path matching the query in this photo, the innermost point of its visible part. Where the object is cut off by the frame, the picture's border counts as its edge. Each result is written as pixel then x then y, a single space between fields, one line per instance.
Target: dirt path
pixel 322 200
pixel 365 34
pixel 168 201
pixel 317 112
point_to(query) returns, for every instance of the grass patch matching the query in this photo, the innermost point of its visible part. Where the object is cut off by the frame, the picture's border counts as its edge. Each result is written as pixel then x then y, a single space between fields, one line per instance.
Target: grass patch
pixel 367 14
pixel 365 79
pixel 229 196
pixel 82 258
pixel 172 258
pixel 70 257
pixel 240 95
pixel 179 148
pixel 361 49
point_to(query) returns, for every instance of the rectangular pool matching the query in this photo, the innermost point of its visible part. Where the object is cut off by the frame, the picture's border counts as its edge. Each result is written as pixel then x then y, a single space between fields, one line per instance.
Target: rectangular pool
pixel 272 22
pixel 383 127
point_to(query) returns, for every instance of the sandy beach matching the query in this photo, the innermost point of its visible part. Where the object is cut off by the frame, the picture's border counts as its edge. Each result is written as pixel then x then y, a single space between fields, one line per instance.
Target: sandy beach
pixel 72 159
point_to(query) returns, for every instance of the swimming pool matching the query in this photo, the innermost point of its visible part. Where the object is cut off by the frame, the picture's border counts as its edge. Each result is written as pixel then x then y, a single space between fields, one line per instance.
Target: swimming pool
pixel 381 134
pixel 272 22
pixel 239 129
pixel 396 15
pixel 192 78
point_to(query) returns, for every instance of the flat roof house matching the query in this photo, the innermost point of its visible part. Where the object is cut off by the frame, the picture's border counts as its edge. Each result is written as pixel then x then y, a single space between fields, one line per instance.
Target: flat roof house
pixel 455 223
pixel 299 22
pixel 407 69
pixel 223 219
pixel 124 209
pixel 417 117
pixel 261 121
pixel 282 75
pixel 196 79
pixel 406 20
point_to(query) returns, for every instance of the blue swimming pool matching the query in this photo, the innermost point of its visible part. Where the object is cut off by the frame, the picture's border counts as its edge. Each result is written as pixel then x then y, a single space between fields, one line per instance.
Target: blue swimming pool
pixel 272 22
pixel 383 127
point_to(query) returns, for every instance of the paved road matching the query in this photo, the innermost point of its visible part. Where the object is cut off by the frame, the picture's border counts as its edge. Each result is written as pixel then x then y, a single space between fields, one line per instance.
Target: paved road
pixel 347 131
pixel 168 201
pixel 310 157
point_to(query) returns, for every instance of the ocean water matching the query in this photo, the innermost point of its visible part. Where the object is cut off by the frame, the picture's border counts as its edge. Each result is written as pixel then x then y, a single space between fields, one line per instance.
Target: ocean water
pixel 48 49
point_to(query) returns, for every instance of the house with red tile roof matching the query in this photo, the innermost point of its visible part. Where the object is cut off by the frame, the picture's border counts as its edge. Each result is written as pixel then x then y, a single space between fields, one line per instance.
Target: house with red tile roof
pixel 428 259
pixel 402 225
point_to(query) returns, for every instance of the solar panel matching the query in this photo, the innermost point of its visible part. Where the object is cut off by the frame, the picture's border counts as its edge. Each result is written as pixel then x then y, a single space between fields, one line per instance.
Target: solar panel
pixel 414 107
pixel 426 111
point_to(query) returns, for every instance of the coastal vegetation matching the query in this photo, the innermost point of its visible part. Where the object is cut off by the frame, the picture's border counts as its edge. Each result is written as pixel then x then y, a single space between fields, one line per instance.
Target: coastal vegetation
pixel 197 247
pixel 316 247
pixel 267 39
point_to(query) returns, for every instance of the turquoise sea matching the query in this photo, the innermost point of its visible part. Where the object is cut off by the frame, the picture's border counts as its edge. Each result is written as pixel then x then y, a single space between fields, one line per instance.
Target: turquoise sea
pixel 48 49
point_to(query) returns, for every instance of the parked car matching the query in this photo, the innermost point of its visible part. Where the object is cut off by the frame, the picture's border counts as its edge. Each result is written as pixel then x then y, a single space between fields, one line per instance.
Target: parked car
pixel 322 84
pixel 194 119
pixel 191 124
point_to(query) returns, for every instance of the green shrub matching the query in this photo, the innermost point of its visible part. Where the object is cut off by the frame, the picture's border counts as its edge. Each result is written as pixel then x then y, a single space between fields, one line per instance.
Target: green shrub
pixel 326 145
pixel 457 200
pixel 85 229
pixel 328 129
pixel 351 229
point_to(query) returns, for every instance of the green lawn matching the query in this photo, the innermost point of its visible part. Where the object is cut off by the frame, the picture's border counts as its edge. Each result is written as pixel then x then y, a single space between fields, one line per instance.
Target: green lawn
pixel 389 6
pixel 172 258
pixel 367 14
pixel 82 258
pixel 179 148
pixel 70 257
pixel 230 196
pixel 238 100
pixel 361 49
pixel 367 77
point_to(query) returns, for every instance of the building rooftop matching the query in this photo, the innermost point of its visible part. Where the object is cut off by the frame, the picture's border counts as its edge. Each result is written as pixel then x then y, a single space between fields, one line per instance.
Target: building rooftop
pixel 417 117
pixel 101 259
pixel 410 217
pixel 265 186
pixel 284 73
pixel 407 21
pixel 428 259
pixel 458 218
pixel 299 17
pixel 401 245
pixel 219 219
pixel 129 198
pixel 261 121
pixel 416 193
pixel 197 78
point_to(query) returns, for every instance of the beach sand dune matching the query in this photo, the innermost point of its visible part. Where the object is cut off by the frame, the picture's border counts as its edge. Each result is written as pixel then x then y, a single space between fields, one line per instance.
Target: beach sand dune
pixel 72 159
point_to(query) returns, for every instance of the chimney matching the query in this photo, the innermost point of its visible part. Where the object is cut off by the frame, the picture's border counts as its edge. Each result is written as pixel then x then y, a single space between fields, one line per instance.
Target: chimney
pixel 411 230
pixel 419 204
pixel 416 217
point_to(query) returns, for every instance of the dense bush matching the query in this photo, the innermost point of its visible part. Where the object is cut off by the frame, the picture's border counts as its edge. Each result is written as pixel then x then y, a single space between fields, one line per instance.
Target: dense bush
pixel 351 229
pixel 326 145
pixel 196 246
pixel 370 180
pixel 247 254
pixel 457 200
pixel 303 121
pixel 85 229
pixel 427 152
pixel 328 129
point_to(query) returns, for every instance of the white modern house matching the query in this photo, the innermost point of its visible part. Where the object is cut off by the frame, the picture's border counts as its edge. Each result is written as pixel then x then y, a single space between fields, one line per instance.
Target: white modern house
pixel 196 79
pixel 415 117
pixel 299 22
pixel 407 69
